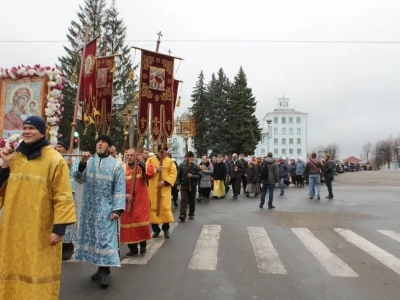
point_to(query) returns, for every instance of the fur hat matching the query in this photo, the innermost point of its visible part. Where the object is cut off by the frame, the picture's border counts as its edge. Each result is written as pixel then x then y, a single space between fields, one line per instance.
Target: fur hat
pixel 105 138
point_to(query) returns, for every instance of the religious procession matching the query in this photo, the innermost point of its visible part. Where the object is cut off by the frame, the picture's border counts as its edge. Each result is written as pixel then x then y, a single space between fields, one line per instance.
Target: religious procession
pixel 125 200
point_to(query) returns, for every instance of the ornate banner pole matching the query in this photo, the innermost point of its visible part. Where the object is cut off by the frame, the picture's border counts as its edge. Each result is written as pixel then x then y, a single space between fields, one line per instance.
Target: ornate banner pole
pixel 74 124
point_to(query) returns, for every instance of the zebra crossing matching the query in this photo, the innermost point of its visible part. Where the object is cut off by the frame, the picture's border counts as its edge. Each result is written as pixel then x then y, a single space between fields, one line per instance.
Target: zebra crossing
pixel 205 255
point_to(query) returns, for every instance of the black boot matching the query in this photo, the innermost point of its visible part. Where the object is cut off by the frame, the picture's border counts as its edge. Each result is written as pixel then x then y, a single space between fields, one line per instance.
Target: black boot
pixel 143 246
pixel 133 250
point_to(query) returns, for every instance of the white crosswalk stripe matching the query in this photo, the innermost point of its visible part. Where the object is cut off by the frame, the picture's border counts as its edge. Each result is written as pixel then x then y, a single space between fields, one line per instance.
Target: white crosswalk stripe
pixel 152 246
pixel 333 264
pixel 205 255
pixel 267 258
pixel 390 233
pixel 389 260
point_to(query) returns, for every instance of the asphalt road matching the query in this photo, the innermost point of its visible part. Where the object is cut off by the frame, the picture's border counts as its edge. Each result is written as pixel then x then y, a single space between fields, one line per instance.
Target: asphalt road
pixel 302 250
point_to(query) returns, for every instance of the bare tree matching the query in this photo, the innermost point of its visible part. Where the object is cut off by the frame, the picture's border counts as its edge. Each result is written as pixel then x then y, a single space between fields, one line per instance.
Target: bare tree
pixel 332 150
pixel 367 150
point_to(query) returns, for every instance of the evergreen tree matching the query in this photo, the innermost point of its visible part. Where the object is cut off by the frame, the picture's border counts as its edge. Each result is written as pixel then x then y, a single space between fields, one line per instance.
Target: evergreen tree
pixel 92 13
pixel 217 92
pixel 200 113
pixel 105 22
pixel 242 124
pixel 124 89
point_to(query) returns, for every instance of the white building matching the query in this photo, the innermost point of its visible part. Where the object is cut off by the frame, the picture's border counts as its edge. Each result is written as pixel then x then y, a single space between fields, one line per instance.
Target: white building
pixel 283 132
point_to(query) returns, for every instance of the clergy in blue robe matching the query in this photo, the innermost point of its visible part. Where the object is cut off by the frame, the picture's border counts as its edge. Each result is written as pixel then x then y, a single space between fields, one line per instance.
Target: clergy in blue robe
pixel 103 202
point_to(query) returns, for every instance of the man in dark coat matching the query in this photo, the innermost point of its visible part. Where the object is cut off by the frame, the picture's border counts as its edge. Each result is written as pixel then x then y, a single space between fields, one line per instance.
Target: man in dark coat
pixel 235 173
pixel 188 178
pixel 329 173
pixel 269 183
pixel 245 167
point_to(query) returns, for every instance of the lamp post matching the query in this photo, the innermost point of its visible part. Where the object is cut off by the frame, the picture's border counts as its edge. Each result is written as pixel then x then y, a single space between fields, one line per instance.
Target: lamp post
pixel 397 154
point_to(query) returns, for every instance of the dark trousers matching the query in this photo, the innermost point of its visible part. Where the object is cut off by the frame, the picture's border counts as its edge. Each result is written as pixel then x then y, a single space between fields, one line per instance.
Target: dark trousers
pixel 244 183
pixel 236 186
pixel 134 246
pixel 174 193
pixel 328 182
pixel 188 197
pixel 204 192
pixel 156 228
pixel 300 179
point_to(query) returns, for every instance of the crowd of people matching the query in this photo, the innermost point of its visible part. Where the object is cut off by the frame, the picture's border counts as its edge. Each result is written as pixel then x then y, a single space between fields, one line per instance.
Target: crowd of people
pixel 125 201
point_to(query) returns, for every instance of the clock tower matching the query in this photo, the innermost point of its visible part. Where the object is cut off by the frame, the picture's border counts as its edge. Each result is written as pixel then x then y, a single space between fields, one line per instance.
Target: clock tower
pixel 283 102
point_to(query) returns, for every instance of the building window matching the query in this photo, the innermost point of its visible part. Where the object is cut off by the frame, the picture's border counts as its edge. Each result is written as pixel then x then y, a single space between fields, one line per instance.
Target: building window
pixel 263 138
pixel 290 151
pixel 275 130
pixel 290 141
pixel 262 150
pixel 275 151
pixel 275 120
pixel 298 130
pixel 174 140
pixel 283 120
pixel 283 151
pixel 290 120
pixel 298 141
pixel 283 130
pixel 290 130
pixel 298 120
pixel 276 141
pixel 298 151
pixel 283 141
pixel 178 130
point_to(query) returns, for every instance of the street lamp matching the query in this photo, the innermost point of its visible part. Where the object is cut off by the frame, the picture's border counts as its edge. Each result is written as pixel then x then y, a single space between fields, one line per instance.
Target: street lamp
pixel 269 121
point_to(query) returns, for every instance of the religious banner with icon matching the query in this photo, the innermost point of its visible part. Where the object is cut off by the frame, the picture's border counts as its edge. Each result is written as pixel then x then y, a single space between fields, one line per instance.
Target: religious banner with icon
pixel 88 80
pixel 104 84
pixel 157 92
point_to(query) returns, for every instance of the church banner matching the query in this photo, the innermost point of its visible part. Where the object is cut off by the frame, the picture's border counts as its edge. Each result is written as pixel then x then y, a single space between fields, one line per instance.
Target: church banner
pixel 156 95
pixel 104 84
pixel 88 80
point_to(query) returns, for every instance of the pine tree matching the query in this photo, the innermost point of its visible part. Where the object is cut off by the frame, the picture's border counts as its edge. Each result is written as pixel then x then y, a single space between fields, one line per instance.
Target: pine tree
pixel 217 92
pixel 242 124
pixel 124 88
pixel 92 13
pixel 199 112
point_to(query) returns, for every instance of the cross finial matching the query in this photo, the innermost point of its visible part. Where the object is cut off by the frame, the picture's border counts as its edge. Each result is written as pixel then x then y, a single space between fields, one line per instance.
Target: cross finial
pixel 169 51
pixel 159 35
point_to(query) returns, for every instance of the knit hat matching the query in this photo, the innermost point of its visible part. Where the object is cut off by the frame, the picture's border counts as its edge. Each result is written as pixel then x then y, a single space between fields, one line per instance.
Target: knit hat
pixel 36 122
pixel 63 144
pixel 105 138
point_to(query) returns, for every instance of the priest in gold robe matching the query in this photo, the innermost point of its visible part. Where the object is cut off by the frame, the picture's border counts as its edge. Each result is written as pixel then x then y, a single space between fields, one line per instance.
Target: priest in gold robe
pixel 163 180
pixel 32 225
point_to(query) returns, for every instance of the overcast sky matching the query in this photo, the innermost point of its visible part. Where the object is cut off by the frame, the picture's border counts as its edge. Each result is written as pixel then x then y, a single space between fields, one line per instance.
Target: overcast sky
pixel 351 91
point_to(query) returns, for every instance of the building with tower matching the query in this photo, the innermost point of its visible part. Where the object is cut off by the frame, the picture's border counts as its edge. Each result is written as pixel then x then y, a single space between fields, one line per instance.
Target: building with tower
pixel 283 132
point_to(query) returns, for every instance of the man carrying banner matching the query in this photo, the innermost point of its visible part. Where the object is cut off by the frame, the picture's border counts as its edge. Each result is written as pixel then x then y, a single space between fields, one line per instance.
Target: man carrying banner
pixel 135 220
pixel 160 191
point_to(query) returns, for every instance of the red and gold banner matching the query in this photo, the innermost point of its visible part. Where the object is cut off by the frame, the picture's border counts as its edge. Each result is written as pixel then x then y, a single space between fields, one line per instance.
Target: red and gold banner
pixel 88 80
pixel 156 93
pixel 104 84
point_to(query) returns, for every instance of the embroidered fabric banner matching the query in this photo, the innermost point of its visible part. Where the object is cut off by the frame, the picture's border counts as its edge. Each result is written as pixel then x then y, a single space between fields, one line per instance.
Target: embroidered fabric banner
pixel 88 80
pixel 104 84
pixel 156 95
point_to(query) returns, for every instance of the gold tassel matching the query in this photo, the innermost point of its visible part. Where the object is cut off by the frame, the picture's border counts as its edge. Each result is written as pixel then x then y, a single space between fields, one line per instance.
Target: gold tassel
pixel 113 69
pixel 131 75
pixel 73 77
pixel 48 128
pixel 178 103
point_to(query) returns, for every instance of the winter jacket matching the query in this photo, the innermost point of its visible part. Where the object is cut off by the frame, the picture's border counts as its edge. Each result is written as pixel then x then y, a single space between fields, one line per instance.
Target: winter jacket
pixel 182 178
pixel 220 171
pixel 283 170
pixel 273 171
pixel 207 171
pixel 293 170
pixel 245 166
pixel 329 169
pixel 313 166
pixel 300 167
pixel 252 175
pixel 232 172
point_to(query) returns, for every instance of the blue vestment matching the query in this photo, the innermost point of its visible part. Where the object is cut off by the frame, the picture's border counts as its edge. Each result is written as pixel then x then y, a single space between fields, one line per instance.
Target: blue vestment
pixel 71 233
pixel 103 193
